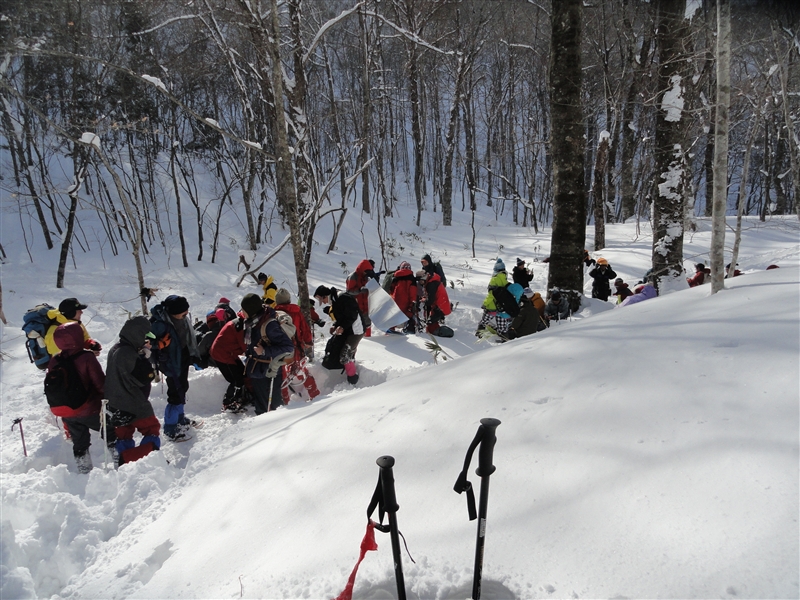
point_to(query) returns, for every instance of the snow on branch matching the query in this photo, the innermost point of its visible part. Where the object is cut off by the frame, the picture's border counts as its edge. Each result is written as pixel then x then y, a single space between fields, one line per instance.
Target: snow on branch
pixel 155 81
pixel 164 24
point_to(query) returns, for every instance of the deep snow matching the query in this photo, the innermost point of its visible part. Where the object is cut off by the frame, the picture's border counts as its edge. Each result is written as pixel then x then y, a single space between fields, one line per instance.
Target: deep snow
pixel 648 451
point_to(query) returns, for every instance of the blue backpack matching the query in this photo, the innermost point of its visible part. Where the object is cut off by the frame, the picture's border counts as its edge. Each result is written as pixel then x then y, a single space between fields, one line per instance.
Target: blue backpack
pixel 35 324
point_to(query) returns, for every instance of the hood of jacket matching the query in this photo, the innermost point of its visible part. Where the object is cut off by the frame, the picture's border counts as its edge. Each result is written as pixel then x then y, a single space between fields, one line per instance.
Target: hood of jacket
pixel 134 331
pixel 69 336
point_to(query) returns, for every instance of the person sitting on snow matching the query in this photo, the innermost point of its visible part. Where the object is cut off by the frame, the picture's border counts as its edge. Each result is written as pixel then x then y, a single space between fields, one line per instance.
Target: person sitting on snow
pixel 700 275
pixel 622 290
pixel 557 307
pixel 528 320
pixel 642 292
pixel 499 279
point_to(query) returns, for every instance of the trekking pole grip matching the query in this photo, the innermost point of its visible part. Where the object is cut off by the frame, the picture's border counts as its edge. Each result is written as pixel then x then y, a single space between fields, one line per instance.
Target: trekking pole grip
pixel 486 452
pixel 387 483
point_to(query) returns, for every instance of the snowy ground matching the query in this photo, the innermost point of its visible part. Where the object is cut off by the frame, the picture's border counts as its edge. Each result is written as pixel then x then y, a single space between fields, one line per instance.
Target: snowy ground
pixel 644 452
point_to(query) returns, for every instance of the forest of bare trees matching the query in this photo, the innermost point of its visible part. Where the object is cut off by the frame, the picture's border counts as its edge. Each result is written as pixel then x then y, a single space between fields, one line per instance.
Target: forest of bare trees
pixel 117 108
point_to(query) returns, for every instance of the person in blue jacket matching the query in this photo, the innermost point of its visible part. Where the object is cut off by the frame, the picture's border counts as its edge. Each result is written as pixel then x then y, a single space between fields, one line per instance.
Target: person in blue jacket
pixel 268 347
pixel 176 351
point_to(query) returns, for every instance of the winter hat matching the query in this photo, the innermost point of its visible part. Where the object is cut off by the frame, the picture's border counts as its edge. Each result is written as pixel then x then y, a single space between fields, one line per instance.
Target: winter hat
pixel 516 291
pixel 70 306
pixel 176 305
pixel 262 277
pixel 699 267
pixel 618 281
pixel 422 275
pixel 427 258
pixel 404 265
pixel 520 262
pixel 527 292
pixel 252 304
pixel 282 296
pixel 322 292
pixel 499 266
pixel 602 261
pixel 555 296
pixel 224 300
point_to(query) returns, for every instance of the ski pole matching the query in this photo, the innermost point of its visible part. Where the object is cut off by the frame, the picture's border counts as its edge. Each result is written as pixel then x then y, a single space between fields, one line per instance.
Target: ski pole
pixel 486 438
pixel 18 421
pixel 390 505
pixel 104 432
pixel 484 470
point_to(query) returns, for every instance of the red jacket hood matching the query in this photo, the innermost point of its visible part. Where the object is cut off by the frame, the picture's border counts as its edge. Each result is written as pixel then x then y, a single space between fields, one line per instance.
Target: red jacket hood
pixel 69 336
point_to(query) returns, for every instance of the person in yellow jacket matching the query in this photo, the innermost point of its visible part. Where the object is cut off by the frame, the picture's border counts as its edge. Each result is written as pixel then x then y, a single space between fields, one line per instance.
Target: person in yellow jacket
pixel 270 289
pixel 69 310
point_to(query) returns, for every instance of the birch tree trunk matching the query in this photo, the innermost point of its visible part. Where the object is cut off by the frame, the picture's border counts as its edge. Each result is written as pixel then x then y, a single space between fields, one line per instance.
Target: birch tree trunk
pixel 717 255
pixel 599 191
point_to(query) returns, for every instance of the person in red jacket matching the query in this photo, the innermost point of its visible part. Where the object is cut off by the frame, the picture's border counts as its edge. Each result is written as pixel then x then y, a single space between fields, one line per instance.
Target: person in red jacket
pixel 356 285
pixel 699 277
pixel 436 301
pixel 225 351
pixel 403 291
pixel 303 339
pixel 79 421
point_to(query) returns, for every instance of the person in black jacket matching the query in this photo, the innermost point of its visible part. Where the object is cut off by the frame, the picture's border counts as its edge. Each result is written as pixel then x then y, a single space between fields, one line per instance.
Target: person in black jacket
pixel 602 274
pixel 348 328
pixel 521 275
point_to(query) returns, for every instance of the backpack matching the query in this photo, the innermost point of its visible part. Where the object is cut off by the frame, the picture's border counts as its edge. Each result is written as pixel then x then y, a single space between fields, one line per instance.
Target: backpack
pixel 437 268
pixel 284 319
pixel 63 385
pixel 35 324
pixel 505 301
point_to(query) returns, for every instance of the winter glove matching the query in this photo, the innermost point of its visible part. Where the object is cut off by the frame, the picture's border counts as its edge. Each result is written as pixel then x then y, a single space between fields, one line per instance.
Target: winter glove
pixel 309 352
pixel 92 345
pixel 118 418
pixel 164 341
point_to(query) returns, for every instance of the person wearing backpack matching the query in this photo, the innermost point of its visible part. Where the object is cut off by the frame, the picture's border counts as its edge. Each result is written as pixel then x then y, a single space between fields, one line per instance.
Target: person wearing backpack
pixel 436 303
pixel 129 375
pixel 176 351
pixel 267 347
pixel 69 310
pixel 303 339
pixel 356 285
pixel 490 310
pixel 347 330
pixel 226 349
pixel 206 332
pixel 74 386
pixel 403 291
pixel 528 320
pixel 431 267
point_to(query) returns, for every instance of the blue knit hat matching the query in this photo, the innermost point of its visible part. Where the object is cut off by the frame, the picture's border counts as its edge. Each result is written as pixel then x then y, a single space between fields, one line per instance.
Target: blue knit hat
pixel 499 266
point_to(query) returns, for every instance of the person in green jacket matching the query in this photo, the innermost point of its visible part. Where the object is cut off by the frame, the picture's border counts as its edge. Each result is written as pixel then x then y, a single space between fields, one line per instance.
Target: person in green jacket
pixel 490 312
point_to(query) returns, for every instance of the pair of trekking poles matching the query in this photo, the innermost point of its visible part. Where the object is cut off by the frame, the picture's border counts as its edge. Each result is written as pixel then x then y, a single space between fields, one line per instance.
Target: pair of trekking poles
pixel 385 500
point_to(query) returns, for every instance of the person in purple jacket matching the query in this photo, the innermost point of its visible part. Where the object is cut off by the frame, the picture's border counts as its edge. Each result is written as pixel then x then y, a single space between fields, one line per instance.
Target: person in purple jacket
pixel 642 292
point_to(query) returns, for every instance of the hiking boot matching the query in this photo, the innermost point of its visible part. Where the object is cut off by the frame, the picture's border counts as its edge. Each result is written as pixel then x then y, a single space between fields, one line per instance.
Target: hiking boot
pixel 352 379
pixel 84 462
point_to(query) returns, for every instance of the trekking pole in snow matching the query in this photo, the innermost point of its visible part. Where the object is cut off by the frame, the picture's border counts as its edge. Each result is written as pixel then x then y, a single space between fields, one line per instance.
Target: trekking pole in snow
pixel 486 438
pixel 18 421
pixel 387 500
pixel 104 432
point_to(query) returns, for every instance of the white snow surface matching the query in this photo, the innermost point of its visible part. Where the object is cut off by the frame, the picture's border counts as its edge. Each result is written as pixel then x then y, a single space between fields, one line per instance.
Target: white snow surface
pixel 646 452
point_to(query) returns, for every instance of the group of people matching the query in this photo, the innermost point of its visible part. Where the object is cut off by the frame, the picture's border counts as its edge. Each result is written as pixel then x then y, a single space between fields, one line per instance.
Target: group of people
pixel 260 351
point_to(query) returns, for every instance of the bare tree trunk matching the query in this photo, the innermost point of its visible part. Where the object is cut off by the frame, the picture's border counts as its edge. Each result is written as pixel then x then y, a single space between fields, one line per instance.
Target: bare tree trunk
pixel 80 174
pixel 599 191
pixel 748 150
pixel 723 103
pixel 569 204
pixel 668 204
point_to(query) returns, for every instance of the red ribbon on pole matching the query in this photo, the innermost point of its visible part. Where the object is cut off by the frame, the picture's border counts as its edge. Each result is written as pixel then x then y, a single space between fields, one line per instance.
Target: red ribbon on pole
pixel 367 544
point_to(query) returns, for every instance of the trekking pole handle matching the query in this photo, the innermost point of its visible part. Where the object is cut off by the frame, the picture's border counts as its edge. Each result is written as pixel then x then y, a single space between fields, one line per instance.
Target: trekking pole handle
pixel 486 452
pixel 387 483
